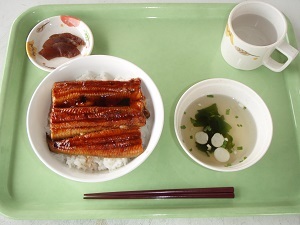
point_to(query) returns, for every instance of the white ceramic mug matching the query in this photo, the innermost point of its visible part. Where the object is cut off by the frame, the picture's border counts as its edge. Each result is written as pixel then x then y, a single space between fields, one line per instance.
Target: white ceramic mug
pixel 253 32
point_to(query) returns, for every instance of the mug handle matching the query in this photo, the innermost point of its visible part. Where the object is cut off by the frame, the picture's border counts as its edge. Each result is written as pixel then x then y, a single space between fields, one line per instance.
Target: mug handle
pixel 286 49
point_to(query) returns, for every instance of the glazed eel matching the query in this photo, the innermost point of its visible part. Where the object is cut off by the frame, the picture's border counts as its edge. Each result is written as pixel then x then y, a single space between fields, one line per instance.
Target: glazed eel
pixel 99 118
pixel 112 143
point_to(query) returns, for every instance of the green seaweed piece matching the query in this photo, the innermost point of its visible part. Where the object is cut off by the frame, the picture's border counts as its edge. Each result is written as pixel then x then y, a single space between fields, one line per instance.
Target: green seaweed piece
pixel 210 116
pixel 212 122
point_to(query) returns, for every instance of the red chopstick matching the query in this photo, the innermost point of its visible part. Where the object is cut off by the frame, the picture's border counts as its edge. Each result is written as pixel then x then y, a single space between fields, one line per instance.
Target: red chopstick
pixel 216 192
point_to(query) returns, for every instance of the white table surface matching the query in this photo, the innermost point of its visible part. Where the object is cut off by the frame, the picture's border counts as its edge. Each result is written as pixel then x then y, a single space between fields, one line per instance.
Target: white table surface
pixel 11 9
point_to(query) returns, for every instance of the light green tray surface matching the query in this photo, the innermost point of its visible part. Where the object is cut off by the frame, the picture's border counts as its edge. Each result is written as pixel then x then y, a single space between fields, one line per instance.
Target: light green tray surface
pixel 178 45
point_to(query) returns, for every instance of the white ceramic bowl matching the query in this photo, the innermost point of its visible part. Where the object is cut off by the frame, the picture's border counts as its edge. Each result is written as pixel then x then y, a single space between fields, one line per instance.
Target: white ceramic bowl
pixel 258 130
pixel 56 25
pixel 38 111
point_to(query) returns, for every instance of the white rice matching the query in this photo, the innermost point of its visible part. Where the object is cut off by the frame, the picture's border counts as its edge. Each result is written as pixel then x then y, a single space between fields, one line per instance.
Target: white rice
pixel 91 163
pixel 94 163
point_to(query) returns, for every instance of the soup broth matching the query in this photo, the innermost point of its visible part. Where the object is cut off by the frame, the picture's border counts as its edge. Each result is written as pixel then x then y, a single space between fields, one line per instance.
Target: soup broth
pixel 243 129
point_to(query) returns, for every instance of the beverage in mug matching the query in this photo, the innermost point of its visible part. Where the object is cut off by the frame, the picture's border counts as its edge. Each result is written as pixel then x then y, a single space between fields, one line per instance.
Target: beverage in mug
pixel 253 32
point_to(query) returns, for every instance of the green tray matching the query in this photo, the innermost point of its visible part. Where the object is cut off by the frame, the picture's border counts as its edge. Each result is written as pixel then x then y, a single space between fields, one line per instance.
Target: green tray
pixel 178 45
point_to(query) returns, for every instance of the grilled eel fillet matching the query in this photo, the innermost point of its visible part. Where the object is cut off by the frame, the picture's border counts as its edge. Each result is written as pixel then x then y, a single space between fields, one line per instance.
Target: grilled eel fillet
pixel 97 118
pixel 68 122
pixel 96 93
pixel 113 143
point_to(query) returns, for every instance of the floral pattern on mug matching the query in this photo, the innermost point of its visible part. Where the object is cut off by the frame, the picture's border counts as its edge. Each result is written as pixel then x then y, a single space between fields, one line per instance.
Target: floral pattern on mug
pixel 229 34
pixel 241 51
pixel 245 53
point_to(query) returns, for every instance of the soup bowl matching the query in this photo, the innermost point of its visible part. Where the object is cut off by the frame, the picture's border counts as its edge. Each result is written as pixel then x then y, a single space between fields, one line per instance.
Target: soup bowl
pixel 244 125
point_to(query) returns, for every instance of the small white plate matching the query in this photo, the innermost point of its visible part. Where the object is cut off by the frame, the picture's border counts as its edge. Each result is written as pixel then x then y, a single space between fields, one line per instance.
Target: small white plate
pixel 55 25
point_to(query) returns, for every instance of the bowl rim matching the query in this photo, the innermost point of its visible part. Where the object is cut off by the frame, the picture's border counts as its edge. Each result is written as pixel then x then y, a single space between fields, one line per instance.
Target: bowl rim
pixel 219 82
pixel 31 33
pixel 153 140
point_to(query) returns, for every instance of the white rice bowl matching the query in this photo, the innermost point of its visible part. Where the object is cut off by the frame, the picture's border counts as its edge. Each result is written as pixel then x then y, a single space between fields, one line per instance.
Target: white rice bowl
pixel 90 168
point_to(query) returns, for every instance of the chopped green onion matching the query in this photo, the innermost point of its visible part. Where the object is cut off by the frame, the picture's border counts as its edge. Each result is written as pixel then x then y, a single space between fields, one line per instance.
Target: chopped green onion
pixel 227 111
pixel 207 128
pixel 210 96
pixel 243 159
pixel 191 137
pixel 183 127
pixel 224 143
pixel 239 148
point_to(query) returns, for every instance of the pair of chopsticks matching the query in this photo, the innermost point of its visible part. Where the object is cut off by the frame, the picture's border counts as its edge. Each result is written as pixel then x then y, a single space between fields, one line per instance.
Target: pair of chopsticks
pixel 215 192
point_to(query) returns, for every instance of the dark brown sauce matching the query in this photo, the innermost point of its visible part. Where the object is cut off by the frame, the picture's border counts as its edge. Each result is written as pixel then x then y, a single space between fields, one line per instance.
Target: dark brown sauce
pixel 61 45
pixel 102 101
